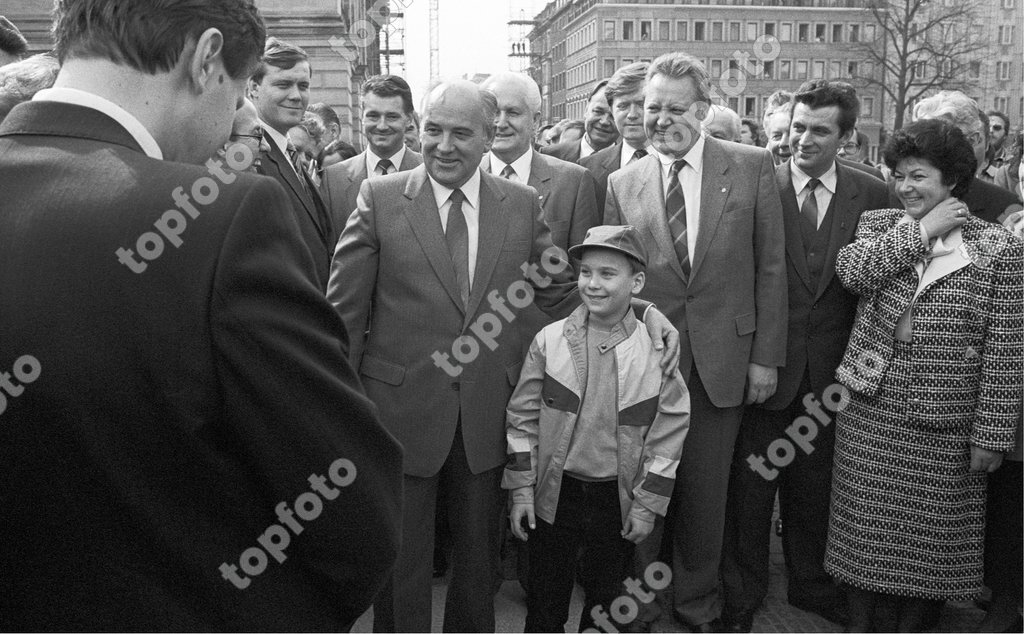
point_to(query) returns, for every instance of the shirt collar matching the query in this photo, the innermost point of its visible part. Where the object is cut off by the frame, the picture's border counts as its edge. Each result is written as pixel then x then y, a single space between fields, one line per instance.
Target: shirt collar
pixel 800 178
pixel 372 159
pixel 694 157
pixel 279 139
pixel 127 121
pixel 521 165
pixel 628 151
pixel 586 149
pixel 470 189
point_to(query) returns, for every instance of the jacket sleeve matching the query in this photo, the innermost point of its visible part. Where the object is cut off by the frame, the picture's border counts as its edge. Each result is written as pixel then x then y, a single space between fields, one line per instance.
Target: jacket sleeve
pixel 585 214
pixel 522 423
pixel 663 446
pixel 881 251
pixel 354 272
pixel 771 288
pixel 1002 358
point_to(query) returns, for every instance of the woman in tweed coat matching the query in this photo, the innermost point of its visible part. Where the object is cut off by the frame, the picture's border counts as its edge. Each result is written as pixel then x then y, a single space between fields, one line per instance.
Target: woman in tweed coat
pixel 933 371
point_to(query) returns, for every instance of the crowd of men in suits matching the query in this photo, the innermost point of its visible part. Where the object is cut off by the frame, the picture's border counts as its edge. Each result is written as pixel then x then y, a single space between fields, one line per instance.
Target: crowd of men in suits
pixel 300 319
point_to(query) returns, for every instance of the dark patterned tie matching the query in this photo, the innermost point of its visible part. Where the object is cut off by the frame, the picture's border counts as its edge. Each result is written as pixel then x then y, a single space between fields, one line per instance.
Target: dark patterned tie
pixel 675 209
pixel 297 164
pixel 384 167
pixel 456 234
pixel 507 172
pixel 639 154
pixel 809 210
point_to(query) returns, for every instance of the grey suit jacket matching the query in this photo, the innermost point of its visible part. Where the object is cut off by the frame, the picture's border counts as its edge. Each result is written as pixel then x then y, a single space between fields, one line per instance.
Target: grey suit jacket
pixel 732 310
pixel 568 151
pixel 341 182
pixel 392 278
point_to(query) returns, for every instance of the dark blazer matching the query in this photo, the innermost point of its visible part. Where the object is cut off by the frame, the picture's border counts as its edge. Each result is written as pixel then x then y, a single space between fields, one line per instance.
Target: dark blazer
pixel 862 167
pixel 568 151
pixel 318 231
pixel 341 183
pixel 820 315
pixel 733 310
pixel 393 278
pixel 601 164
pixel 177 407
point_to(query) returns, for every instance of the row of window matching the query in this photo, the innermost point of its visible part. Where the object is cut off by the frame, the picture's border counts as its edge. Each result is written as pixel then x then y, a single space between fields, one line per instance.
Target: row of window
pixel 722 31
pixel 776 69
pixel 1004 70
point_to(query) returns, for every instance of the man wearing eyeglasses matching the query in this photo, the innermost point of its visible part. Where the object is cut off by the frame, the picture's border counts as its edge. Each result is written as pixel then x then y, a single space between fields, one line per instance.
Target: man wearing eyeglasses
pixel 998 129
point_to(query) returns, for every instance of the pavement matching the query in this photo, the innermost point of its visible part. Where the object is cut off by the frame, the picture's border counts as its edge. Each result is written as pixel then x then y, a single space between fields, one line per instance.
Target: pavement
pixel 776 615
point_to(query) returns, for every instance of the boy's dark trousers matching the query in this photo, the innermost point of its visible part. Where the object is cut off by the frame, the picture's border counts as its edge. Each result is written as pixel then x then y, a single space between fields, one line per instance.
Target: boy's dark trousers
pixel 588 515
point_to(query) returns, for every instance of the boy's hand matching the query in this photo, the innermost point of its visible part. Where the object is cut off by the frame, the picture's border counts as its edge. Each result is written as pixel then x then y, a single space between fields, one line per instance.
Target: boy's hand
pixel 665 337
pixel 520 510
pixel 636 530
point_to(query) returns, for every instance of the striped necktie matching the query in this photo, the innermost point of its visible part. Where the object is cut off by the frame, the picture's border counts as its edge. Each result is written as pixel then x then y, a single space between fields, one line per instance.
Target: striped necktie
pixel 675 209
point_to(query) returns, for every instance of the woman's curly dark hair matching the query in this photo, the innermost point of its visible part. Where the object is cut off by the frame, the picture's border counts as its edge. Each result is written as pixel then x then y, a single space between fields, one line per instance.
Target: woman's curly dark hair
pixel 940 143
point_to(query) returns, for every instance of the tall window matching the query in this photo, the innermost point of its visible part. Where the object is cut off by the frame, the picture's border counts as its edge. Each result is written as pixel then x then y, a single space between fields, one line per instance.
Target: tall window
pixel 664 28
pixel 837 32
pixel 819 32
pixel 851 69
pixel 785 69
pixel 1001 103
pixel 974 70
pixel 681 30
pixel 785 32
pixel 769 28
pixel 854 33
pixel 1006 34
pixel 749 106
pixel 1003 70
pixel 751 31
pixel 803 32
pixel 609 29
pixel 869 32
pixel 818 70
pixel 801 69
pixel 835 69
pixel 716 31
pixel 769 70
pixel 609 67
pixel 867 107
pixel 698 31
pixel 734 31
pixel 645 30
pixel 627 29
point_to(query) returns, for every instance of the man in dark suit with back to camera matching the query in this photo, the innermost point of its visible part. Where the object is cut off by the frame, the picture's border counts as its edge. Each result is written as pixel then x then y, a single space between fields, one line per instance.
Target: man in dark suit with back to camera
pixel 387 110
pixel 599 131
pixel 183 445
pixel 625 95
pixel 280 90
pixel 822 200
pixel 711 215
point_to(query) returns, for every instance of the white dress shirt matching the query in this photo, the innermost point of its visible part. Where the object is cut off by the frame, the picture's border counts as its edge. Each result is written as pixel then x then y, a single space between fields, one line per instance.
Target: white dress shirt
pixel 689 180
pixel 470 208
pixel 521 166
pixel 626 157
pixel 109 108
pixel 372 160
pixel 822 193
pixel 586 149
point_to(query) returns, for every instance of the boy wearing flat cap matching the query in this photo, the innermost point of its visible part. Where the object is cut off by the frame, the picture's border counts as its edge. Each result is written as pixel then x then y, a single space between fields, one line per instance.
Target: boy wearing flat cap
pixel 595 432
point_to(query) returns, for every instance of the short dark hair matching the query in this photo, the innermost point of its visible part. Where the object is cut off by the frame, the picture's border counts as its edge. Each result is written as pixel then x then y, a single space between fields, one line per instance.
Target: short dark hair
pixel 279 54
pixel 325 112
pixel 12 41
pixel 939 142
pixel 755 130
pixel 1006 119
pixel 822 93
pixel 391 86
pixel 626 81
pixel 150 36
pixel 599 88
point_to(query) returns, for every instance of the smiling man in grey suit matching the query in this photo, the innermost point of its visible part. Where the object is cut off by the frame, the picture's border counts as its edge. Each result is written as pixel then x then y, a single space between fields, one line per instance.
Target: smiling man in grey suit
pixel 712 218
pixel 387 111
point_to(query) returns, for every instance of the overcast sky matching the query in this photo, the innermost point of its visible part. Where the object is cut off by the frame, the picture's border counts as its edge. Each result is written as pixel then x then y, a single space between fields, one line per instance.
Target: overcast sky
pixel 474 37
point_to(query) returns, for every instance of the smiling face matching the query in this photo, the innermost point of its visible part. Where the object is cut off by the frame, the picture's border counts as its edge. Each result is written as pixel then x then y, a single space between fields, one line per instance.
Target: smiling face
pixel 814 138
pixel 777 130
pixel 384 123
pixel 919 186
pixel 599 123
pixel 515 125
pixel 282 95
pixel 455 134
pixel 628 113
pixel 607 284
pixel 672 114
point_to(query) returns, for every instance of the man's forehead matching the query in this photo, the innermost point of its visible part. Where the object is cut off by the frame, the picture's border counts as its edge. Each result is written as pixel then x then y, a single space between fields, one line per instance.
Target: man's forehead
pixel 300 71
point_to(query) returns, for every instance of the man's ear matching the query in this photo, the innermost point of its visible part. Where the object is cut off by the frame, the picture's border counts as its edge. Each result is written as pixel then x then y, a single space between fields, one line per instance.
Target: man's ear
pixel 207 62
pixel 639 280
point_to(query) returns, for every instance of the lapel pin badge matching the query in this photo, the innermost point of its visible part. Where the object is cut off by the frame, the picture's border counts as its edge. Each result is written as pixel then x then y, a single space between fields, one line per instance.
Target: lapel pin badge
pixel 723 190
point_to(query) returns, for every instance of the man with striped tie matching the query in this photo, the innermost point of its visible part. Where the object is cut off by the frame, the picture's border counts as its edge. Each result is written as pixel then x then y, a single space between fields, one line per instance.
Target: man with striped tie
pixel 711 214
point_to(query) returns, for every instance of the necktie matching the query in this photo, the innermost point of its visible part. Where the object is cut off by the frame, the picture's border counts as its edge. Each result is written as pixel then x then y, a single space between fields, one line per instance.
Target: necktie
pixel 296 160
pixel 809 210
pixel 456 234
pixel 384 167
pixel 639 154
pixel 507 172
pixel 675 209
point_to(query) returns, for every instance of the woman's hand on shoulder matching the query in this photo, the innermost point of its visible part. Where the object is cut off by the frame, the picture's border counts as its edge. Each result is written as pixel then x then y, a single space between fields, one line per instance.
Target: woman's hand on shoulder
pixel 944 217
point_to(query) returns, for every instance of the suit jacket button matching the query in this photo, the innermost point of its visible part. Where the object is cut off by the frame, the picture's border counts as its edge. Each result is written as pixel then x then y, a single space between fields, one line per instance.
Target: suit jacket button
pixel 549 400
pixel 455 387
pixel 689 298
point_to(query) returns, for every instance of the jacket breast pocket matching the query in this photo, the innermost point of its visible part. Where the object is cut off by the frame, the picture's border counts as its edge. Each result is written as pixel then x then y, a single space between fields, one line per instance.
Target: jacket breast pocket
pixel 381 370
pixel 557 396
pixel 745 324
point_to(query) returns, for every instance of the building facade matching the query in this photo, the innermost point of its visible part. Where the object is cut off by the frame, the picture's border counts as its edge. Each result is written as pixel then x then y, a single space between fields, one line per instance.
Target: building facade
pixel 999 69
pixel 341 57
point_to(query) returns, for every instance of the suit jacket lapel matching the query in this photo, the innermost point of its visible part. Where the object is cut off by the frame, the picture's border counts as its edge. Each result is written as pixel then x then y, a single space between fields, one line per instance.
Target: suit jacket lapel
pixel 844 223
pixel 491 237
pixel 791 222
pixel 650 200
pixel 284 167
pixel 714 192
pixel 540 178
pixel 944 265
pixel 422 214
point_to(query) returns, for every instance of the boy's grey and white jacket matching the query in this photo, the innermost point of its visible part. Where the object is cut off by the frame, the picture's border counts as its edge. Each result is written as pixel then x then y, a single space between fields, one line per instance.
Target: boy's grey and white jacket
pixel 653 417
